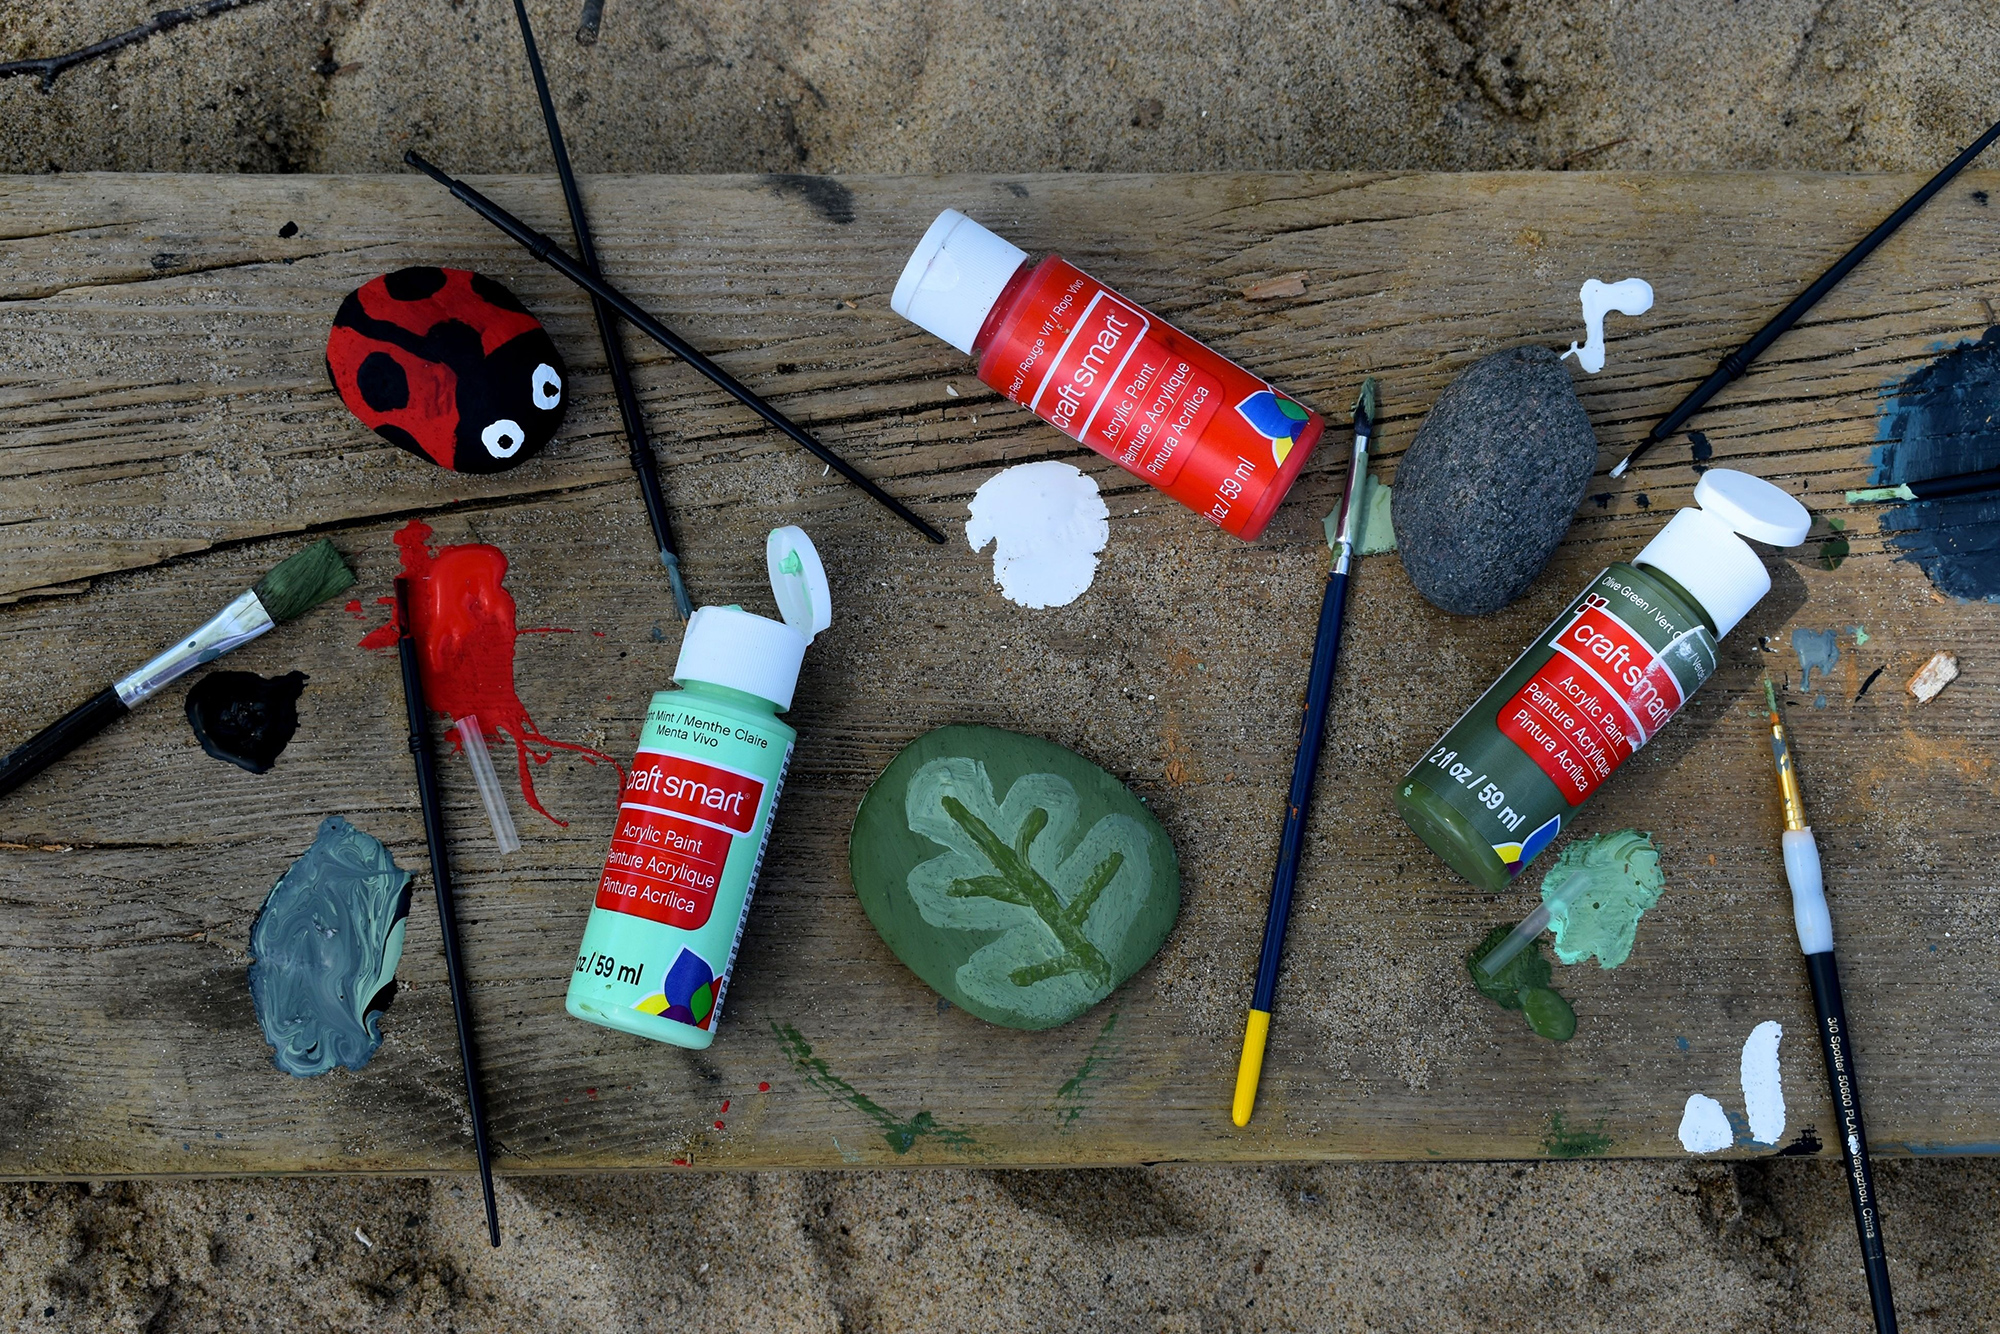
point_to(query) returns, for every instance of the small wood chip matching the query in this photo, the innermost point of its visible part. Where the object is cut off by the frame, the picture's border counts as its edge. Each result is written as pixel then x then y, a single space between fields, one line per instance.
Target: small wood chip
pixel 1933 676
pixel 1285 284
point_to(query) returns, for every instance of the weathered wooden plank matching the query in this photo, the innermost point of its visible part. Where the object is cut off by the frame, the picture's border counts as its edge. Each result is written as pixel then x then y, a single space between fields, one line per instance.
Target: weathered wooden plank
pixel 166 431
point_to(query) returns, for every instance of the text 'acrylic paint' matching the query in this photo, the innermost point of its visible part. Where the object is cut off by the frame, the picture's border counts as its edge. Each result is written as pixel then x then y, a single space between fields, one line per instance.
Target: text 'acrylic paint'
pixel 1109 374
pixel 695 814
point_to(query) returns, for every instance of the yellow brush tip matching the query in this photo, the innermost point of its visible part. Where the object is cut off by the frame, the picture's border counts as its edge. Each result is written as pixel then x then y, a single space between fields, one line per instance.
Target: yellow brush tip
pixel 1255 1030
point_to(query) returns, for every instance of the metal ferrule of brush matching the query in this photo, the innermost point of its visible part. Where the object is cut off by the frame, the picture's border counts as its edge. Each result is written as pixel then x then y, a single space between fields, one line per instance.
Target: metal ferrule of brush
pixel 235 625
pixel 1350 503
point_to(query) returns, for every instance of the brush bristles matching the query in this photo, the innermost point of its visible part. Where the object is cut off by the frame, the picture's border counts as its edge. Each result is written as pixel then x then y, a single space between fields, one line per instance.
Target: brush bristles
pixel 1364 407
pixel 1771 696
pixel 304 581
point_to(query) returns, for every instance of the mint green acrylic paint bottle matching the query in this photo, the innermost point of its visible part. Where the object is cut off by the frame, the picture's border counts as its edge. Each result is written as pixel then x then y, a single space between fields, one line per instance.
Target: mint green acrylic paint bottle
pixel 695 813
pixel 1599 683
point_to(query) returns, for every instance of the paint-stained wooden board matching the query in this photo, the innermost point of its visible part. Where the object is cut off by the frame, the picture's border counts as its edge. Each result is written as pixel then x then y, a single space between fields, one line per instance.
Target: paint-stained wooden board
pixel 167 434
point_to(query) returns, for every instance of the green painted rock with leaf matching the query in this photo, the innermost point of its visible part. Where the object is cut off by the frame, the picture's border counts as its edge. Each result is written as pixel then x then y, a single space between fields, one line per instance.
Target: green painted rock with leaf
pixel 1019 880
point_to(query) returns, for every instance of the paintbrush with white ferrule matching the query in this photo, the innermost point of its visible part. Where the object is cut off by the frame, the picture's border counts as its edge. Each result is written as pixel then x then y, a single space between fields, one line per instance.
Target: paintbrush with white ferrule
pixel 1815 928
pixel 295 587
pixel 1343 536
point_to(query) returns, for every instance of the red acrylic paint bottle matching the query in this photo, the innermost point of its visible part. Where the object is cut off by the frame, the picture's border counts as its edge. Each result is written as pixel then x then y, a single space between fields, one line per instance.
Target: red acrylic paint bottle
pixel 1109 375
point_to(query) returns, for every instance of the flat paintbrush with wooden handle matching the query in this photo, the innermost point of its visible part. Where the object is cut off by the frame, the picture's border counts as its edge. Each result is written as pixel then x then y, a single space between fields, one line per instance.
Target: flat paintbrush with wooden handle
pixel 295 587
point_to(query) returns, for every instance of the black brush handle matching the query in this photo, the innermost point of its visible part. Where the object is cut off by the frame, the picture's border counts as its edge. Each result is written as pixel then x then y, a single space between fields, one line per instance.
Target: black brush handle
pixel 1960 484
pixel 1841 1081
pixel 61 737
pixel 440 854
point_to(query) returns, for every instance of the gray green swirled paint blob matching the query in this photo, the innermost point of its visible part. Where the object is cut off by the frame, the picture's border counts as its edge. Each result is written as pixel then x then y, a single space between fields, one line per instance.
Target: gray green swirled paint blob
pixel 1940 420
pixel 325 946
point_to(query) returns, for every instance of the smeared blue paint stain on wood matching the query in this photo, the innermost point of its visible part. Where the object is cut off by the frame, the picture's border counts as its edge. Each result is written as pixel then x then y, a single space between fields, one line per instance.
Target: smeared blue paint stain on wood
pixel 326 945
pixel 1941 419
pixel 1819 651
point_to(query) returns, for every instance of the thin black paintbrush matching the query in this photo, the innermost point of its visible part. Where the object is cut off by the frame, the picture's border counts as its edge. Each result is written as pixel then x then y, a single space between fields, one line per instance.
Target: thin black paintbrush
pixel 644 465
pixel 1933 488
pixel 546 250
pixel 1739 361
pixel 1815 930
pixel 293 588
pixel 440 854
pixel 1343 535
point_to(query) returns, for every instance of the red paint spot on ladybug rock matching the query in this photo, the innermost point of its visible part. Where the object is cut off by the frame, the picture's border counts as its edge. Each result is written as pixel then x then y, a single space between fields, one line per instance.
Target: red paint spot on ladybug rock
pixel 463 621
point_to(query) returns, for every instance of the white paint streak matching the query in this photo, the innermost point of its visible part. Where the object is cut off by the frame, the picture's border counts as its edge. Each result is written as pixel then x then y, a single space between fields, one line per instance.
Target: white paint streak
pixel 1704 1125
pixel 1047 523
pixel 1763 1093
pixel 1633 296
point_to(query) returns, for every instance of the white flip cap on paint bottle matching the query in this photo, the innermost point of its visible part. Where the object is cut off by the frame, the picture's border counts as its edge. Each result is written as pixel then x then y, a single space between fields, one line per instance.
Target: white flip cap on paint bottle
pixel 1703 549
pixel 730 647
pixel 953 278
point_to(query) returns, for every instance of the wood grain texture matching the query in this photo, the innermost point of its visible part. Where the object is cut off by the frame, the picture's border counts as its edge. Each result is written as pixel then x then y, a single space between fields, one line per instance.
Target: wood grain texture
pixel 167 434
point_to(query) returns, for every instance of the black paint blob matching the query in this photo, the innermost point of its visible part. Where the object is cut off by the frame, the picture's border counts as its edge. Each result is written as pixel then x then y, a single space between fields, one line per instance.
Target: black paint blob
pixel 1699 450
pixel 1944 418
pixel 244 718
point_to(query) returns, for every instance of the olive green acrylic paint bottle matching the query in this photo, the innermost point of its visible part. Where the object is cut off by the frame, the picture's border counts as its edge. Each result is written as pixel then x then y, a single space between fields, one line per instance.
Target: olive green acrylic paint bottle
pixel 1599 683
pixel 695 814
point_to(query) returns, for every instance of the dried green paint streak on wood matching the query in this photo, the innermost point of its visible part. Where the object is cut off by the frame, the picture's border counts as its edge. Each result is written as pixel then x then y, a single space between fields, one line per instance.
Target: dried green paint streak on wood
pixel 1074 1096
pixel 1563 1142
pixel 901 1134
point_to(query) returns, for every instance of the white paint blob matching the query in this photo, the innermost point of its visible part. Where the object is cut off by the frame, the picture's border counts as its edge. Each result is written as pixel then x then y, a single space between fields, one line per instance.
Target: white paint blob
pixel 1634 296
pixel 1047 523
pixel 1763 1094
pixel 1704 1125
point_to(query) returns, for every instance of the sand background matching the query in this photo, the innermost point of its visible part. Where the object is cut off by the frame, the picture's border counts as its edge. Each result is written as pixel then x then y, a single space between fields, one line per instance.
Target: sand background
pixel 945 85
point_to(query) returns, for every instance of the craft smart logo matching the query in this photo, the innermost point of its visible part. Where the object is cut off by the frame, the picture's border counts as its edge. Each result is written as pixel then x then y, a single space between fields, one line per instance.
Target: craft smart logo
pixel 1274 417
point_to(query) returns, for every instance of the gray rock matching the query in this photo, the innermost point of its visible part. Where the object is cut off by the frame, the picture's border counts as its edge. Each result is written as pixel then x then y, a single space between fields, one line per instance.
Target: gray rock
pixel 1488 489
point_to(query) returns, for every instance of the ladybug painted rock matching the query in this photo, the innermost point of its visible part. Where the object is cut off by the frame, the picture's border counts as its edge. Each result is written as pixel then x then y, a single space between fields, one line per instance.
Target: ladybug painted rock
pixel 449 365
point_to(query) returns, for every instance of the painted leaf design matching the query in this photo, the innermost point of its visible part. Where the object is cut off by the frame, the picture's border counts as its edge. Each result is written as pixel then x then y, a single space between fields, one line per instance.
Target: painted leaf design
pixel 1061 897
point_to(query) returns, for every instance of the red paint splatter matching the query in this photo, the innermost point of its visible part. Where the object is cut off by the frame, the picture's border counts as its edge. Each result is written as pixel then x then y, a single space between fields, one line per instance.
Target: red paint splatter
pixel 590 1093
pixel 763 1088
pixel 463 621
pixel 354 608
pixel 718 1125
pixel 723 1111
pixel 680 1162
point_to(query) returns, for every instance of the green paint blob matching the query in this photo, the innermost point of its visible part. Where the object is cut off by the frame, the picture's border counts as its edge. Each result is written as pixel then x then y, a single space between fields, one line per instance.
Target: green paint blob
pixel 1596 892
pixel 1562 1142
pixel 326 945
pixel 1019 880
pixel 901 1134
pixel 1523 984
pixel 1833 550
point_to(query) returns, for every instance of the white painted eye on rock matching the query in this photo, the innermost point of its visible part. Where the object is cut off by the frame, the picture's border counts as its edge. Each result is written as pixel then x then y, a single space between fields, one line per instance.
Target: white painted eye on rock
pixel 503 439
pixel 547 386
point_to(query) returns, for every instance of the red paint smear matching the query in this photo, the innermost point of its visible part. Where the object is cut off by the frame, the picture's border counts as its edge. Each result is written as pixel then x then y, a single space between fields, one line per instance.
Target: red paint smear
pixel 763 1088
pixel 724 1108
pixel 463 621
pixel 718 1125
pixel 354 607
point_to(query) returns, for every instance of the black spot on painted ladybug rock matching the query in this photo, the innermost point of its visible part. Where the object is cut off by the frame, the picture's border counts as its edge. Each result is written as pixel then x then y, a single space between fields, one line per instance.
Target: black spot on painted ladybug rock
pixel 416 284
pixel 383 385
pixel 449 365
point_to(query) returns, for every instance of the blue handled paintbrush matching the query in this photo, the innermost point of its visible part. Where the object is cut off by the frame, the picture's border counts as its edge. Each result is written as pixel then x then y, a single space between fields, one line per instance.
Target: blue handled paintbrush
pixel 1344 535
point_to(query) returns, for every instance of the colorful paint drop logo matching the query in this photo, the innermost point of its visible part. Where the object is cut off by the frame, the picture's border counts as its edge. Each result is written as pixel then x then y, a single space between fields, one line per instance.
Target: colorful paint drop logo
pixel 1517 855
pixel 688 994
pixel 1273 415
